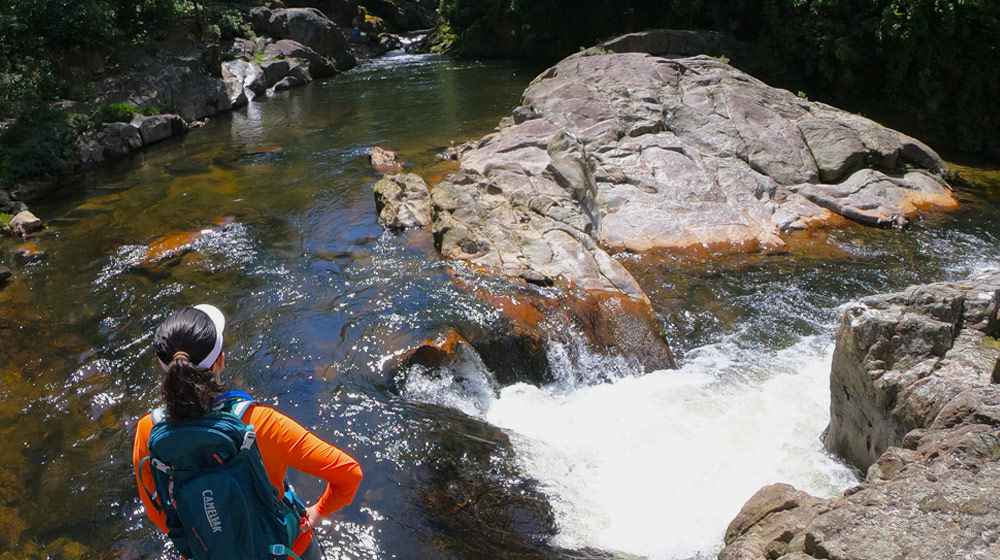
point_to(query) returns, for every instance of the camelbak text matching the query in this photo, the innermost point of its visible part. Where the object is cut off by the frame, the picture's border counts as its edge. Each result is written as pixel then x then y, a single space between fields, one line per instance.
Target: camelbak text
pixel 211 513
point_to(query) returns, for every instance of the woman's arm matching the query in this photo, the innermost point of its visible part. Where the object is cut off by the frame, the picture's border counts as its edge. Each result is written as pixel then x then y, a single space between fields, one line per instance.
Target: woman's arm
pixel 284 442
pixel 144 475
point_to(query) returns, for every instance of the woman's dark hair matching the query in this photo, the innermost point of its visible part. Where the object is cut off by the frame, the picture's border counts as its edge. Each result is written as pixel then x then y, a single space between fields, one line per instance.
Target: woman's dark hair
pixel 188 389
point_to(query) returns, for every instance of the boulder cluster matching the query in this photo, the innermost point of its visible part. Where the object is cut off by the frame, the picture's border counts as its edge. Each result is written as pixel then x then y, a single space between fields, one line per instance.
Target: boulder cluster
pixel 630 152
pixel 639 153
pixel 613 152
pixel 192 81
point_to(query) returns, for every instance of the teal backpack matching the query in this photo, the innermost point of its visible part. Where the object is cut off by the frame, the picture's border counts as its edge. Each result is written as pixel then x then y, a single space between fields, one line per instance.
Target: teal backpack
pixel 212 485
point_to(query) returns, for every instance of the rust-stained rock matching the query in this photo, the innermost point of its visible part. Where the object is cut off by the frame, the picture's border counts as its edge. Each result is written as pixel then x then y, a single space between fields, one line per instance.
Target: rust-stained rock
pixel 27 251
pixel 385 161
pixel 629 152
pixel 516 347
pixel 433 352
pixel 174 245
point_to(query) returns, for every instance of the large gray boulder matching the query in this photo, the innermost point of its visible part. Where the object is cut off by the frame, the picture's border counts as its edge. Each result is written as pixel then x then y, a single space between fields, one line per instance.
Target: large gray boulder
pixel 156 128
pixel 114 141
pixel 668 42
pixel 318 65
pixel 632 152
pixel 244 80
pixel 914 405
pixel 175 85
pixel 111 142
pixel 902 358
pixel 307 26
pixel 937 498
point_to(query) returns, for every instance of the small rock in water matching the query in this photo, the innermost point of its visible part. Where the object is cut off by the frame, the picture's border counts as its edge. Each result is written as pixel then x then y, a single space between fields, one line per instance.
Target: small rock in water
pixel 5 274
pixel 403 201
pixel 385 161
pixel 25 223
pixel 266 150
pixel 263 153
pixel 28 251
pixel 432 353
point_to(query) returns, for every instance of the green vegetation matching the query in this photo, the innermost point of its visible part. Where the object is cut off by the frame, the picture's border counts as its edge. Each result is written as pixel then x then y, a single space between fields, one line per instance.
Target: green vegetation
pixel 928 67
pixel 114 112
pixel 53 49
pixel 38 142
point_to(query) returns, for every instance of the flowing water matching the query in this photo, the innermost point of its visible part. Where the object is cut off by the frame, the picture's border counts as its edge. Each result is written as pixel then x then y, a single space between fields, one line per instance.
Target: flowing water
pixel 319 300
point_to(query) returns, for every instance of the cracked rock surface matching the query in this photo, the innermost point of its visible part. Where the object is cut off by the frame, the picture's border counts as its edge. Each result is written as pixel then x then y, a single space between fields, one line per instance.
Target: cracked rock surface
pixel 641 153
pixel 915 403
pixel 902 358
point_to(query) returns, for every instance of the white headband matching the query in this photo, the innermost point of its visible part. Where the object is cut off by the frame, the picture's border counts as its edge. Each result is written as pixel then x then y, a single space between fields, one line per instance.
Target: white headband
pixel 219 320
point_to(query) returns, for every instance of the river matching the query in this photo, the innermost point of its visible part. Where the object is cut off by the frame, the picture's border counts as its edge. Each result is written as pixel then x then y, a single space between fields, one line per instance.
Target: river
pixel 318 297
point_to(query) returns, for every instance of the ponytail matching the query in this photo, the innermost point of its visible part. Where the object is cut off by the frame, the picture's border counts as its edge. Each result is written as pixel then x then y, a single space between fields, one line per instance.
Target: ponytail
pixel 187 344
pixel 188 389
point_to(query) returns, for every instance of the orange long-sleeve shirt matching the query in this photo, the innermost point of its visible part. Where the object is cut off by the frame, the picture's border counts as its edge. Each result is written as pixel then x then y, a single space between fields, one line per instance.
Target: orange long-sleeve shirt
pixel 283 443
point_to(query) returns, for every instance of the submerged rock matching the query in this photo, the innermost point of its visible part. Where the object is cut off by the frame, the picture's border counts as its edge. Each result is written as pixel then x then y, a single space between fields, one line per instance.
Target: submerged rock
pixel 469 485
pixel 640 153
pixel 27 251
pixel 913 403
pixel 171 246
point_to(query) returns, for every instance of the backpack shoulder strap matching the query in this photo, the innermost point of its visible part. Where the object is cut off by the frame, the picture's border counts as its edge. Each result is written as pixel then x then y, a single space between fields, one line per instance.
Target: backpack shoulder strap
pixel 241 407
pixel 158 414
pixel 234 402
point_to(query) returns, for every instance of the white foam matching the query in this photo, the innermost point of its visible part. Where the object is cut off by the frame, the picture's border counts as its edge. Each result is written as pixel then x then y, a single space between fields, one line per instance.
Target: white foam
pixel 658 465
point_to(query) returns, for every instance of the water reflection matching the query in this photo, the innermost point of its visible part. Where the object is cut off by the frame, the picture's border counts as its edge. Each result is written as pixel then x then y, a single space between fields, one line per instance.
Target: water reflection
pixel 318 297
pixel 315 295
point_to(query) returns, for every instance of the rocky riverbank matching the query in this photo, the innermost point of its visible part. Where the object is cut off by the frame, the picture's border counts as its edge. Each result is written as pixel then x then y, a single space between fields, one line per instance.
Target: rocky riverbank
pixel 172 86
pixel 915 402
pixel 645 153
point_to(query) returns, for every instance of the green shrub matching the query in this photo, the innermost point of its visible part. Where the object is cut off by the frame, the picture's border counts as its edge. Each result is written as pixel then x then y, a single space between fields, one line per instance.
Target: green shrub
pixel 113 112
pixel 37 143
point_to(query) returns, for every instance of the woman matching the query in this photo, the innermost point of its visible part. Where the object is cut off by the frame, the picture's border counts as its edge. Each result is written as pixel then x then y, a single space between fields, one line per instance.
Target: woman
pixel 188 345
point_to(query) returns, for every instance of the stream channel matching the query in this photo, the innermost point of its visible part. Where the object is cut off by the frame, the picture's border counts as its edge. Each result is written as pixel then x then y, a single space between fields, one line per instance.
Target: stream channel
pixel 603 462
